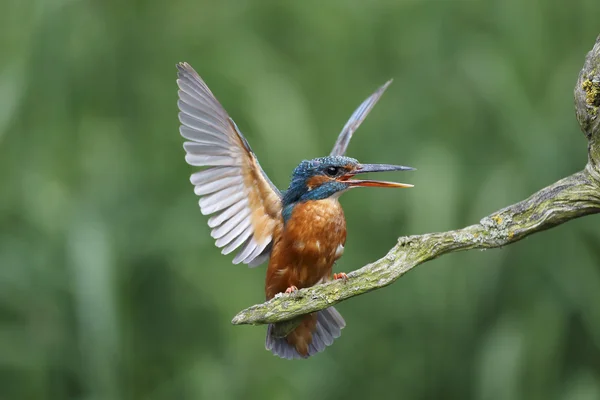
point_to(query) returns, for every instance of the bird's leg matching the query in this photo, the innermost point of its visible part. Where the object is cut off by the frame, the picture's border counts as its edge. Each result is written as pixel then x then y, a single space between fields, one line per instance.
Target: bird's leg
pixel 291 289
pixel 341 275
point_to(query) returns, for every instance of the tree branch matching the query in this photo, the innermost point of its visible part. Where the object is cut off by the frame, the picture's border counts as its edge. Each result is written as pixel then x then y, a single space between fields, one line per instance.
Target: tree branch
pixel 567 199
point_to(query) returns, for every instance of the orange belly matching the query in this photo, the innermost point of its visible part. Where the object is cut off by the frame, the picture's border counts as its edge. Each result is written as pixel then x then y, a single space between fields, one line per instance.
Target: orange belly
pixel 305 249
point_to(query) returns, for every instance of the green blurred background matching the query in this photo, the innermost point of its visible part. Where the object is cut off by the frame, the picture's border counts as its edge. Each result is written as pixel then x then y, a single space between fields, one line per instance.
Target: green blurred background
pixel 111 287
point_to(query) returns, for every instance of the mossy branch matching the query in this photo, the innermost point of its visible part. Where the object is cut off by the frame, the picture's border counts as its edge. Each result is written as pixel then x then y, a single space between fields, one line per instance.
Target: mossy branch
pixel 567 199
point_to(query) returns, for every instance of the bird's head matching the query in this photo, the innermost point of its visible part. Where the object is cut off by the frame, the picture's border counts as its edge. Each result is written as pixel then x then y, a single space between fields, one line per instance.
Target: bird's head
pixel 325 177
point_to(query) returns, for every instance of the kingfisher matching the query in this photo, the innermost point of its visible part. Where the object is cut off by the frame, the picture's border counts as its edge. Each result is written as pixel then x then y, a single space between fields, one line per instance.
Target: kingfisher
pixel 300 231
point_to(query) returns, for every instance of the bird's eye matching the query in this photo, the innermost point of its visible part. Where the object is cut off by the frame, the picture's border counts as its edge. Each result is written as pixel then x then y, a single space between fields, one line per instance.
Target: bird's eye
pixel 332 171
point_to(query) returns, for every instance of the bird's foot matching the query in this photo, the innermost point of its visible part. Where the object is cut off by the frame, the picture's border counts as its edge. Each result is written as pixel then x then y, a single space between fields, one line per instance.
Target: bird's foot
pixel 341 275
pixel 291 289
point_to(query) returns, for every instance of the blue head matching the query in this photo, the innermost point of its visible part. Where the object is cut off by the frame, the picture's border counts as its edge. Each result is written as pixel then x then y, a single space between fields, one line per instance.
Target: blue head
pixel 326 177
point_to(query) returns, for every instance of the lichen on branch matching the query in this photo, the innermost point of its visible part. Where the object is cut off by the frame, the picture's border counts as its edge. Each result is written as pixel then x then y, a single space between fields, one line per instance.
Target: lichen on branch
pixel 572 197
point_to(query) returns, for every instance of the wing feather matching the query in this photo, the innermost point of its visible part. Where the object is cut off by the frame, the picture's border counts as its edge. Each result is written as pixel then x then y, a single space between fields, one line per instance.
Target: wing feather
pixel 204 148
pixel 203 160
pixel 213 174
pixel 222 230
pixel 201 136
pixel 211 187
pixel 238 241
pixel 227 213
pixel 234 233
pixel 245 251
pixel 212 207
pixel 260 255
pixel 357 117
pixel 245 204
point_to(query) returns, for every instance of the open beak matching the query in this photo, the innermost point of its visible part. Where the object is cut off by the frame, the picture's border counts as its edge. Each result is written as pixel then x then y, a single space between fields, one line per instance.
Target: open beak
pixel 366 168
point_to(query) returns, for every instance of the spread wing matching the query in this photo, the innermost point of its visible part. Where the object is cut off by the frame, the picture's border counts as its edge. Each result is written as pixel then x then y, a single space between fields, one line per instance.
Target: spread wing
pixel 244 203
pixel 359 115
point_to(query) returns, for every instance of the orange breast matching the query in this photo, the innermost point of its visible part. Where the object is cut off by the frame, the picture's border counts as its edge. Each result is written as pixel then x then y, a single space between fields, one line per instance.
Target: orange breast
pixel 305 249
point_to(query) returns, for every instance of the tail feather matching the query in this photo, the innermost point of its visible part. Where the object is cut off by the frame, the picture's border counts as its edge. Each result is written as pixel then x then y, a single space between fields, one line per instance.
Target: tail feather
pixel 328 328
pixel 332 321
pixel 280 347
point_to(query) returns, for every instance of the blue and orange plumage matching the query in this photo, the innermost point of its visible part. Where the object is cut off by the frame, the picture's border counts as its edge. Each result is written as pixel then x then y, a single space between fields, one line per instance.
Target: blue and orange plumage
pixel 302 231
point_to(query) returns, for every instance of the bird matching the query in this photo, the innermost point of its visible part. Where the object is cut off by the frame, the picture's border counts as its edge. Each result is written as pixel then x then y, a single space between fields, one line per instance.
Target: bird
pixel 300 232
